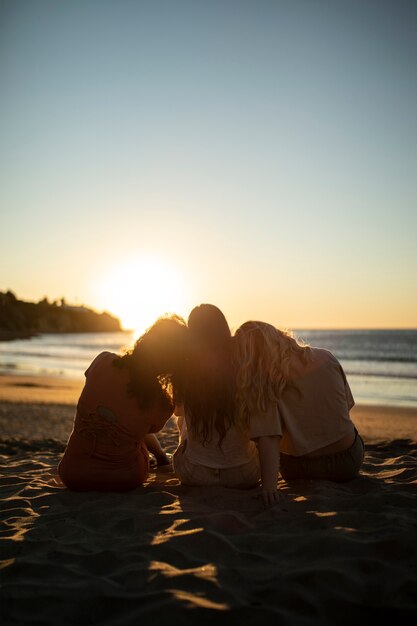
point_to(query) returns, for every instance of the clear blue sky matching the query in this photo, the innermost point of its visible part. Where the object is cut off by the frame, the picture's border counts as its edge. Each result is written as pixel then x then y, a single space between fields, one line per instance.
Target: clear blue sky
pixel 267 150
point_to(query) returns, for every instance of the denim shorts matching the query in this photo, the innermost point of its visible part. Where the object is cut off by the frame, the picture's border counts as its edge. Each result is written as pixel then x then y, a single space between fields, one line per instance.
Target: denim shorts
pixel 240 477
pixel 338 467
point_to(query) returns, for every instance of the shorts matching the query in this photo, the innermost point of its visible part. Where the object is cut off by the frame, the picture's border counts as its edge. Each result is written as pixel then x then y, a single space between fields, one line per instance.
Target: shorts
pixel 338 467
pixel 240 477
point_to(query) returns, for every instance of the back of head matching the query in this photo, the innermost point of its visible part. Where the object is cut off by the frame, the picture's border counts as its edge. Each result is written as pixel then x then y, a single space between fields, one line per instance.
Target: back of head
pixel 208 326
pixel 263 356
pixel 156 361
pixel 163 344
pixel 208 391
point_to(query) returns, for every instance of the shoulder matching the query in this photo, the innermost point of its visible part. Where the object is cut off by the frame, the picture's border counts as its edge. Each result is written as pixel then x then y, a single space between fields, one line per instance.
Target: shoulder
pixel 320 360
pixel 321 355
pixel 103 359
pixel 326 361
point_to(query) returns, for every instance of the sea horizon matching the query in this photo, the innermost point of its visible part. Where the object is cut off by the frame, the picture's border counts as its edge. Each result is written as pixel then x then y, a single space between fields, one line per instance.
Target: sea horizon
pixel 380 364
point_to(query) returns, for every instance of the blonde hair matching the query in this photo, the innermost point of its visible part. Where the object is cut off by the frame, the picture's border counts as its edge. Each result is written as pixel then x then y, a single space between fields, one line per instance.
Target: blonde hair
pixel 263 356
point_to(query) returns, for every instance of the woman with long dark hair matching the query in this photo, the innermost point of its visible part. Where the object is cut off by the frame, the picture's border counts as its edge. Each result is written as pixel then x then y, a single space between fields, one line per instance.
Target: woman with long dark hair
pixel 213 449
pixel 124 400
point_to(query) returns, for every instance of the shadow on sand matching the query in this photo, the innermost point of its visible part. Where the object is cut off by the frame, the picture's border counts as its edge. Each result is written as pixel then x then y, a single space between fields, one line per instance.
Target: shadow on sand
pixel 331 553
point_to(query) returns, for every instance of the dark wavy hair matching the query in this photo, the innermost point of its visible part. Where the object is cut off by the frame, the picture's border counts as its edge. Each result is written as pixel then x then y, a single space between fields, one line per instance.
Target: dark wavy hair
pixel 208 384
pixel 156 362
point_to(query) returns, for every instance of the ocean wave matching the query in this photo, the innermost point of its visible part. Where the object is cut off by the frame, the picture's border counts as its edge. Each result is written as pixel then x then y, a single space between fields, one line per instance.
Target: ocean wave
pixel 64 356
pixel 376 358
pixel 381 366
pixel 393 375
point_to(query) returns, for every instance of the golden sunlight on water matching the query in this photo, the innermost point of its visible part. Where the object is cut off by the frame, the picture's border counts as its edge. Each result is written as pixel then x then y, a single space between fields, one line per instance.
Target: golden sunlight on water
pixel 140 290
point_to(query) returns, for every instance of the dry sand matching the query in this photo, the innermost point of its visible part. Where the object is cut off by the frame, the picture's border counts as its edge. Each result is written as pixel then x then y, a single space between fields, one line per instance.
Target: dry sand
pixel 331 554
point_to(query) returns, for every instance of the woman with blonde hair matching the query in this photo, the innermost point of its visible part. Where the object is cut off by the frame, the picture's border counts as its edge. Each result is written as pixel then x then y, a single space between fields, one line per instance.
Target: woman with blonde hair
pixel 304 391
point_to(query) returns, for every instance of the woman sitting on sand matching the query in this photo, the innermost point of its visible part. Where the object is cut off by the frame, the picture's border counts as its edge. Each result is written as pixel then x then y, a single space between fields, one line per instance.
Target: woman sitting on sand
pixel 305 391
pixel 124 400
pixel 215 449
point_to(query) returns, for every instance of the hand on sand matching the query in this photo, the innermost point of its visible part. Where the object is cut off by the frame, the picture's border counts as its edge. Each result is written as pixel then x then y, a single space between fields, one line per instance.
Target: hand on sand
pixel 164 461
pixel 271 497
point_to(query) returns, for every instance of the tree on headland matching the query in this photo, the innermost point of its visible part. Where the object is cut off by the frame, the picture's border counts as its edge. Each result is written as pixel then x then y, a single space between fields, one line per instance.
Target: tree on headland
pixel 9 296
pixel 24 319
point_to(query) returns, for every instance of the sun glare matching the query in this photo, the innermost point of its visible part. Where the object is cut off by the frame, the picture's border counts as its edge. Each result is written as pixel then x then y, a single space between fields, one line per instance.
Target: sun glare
pixel 140 290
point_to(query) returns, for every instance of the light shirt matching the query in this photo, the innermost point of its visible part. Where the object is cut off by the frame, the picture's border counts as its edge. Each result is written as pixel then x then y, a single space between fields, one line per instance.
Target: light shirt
pixel 314 407
pixel 237 447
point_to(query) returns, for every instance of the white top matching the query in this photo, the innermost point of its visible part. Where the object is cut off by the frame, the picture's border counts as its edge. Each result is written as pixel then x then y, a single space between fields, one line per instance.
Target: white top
pixel 237 446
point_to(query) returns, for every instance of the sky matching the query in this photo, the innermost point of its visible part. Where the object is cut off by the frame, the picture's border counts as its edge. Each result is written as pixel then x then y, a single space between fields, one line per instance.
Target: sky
pixel 257 155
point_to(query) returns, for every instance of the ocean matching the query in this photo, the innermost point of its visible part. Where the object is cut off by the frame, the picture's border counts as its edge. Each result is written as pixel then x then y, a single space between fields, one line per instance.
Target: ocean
pixel 381 365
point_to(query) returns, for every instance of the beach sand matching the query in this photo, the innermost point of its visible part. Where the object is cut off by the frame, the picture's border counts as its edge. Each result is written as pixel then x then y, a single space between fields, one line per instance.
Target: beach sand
pixel 330 554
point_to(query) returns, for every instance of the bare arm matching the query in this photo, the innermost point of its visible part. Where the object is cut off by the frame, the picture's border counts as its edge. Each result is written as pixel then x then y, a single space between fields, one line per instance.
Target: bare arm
pixel 153 445
pixel 179 410
pixel 269 458
pixel 181 423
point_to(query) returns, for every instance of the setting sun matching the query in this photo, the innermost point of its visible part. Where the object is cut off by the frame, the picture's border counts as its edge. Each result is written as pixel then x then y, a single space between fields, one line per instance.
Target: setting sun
pixel 139 290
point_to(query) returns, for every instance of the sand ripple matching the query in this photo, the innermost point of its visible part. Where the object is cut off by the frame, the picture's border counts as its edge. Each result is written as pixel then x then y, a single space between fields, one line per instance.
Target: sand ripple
pixel 329 554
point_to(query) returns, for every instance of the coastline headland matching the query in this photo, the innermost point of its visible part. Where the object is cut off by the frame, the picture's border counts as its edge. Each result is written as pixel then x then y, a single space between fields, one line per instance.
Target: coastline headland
pixel 21 320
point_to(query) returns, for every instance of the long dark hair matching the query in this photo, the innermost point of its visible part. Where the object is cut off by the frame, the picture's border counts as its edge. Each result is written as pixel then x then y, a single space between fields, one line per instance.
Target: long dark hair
pixel 156 362
pixel 208 384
